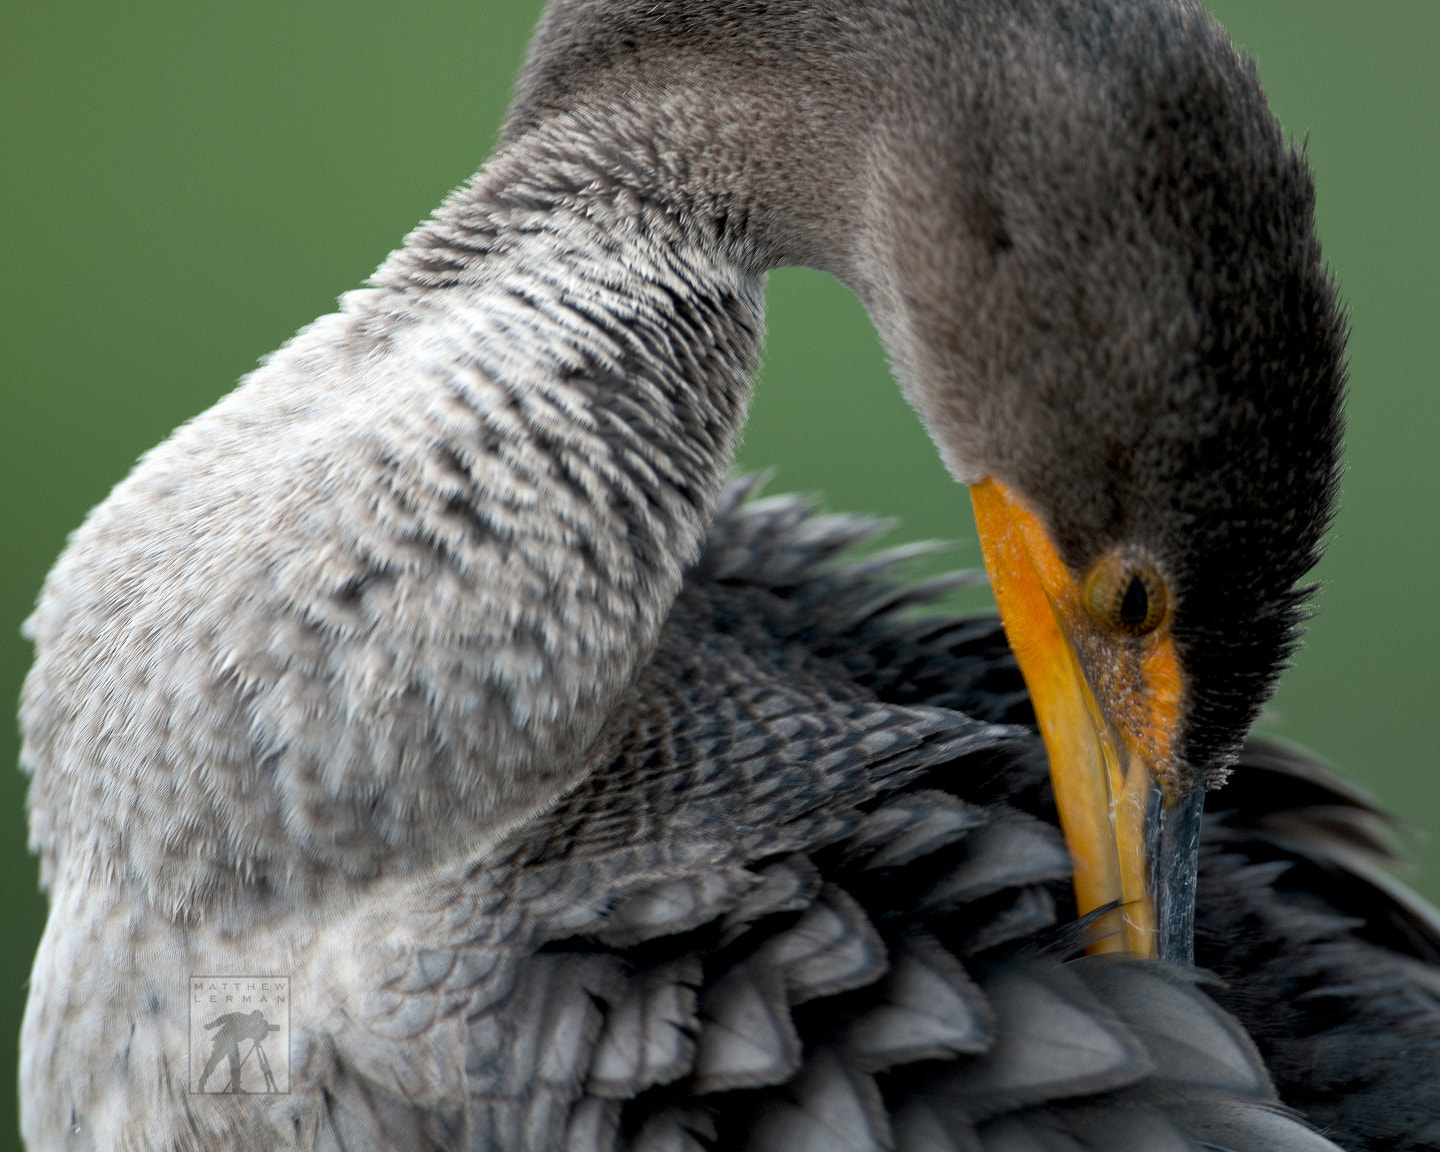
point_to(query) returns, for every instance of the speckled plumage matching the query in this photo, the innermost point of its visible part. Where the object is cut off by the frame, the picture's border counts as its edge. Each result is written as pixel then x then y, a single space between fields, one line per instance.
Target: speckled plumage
pixel 381 674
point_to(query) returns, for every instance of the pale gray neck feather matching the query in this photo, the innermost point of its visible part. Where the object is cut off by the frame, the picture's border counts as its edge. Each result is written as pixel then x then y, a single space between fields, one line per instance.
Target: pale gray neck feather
pixel 373 607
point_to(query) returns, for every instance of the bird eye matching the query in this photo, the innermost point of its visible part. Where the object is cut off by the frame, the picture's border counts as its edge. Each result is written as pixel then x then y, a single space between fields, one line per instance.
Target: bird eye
pixel 1125 595
pixel 1135 604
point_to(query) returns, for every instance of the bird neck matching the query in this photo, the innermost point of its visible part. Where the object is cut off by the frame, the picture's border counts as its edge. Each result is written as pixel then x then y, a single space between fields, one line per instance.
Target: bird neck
pixel 603 347
pixel 526 423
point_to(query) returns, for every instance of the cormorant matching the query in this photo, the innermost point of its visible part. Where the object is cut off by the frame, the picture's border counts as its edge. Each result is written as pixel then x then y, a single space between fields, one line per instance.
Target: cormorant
pixel 407 670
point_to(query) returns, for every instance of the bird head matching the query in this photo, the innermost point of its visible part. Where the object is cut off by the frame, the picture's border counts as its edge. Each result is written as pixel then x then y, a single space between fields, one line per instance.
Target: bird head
pixel 1141 382
pixel 1090 253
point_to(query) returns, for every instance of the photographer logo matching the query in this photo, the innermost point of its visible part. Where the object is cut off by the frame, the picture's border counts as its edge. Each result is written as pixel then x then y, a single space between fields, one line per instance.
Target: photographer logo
pixel 239 1035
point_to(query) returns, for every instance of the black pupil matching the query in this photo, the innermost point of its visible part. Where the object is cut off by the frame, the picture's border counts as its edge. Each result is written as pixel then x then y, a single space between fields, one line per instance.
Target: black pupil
pixel 1135 607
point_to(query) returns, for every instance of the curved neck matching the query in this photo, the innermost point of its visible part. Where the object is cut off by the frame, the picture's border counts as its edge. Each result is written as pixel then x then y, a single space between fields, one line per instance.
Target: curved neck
pixel 524 427
pixel 606 277
pixel 624 334
pixel 614 342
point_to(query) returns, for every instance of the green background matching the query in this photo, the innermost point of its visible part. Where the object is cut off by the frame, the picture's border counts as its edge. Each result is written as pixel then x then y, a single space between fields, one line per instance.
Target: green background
pixel 183 185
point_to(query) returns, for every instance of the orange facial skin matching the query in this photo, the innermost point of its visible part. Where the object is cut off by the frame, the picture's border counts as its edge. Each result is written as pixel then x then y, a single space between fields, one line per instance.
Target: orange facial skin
pixel 1108 701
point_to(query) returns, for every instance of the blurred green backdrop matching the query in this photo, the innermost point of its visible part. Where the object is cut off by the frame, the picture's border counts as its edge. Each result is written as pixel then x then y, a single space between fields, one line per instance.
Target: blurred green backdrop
pixel 183 185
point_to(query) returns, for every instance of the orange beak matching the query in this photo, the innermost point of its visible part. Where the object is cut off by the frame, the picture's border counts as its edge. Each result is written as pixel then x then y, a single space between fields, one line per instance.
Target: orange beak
pixel 1108 706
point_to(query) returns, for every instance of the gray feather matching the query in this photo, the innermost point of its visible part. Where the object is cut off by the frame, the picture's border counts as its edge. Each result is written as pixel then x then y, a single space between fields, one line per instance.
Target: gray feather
pixel 1032 911
pixel 1236 1126
pixel 1052 1039
pixel 1011 850
pixel 786 886
pixel 930 1009
pixel 594 1126
pixel 913 826
pixel 833 1108
pixel 668 1132
pixel 675 906
pixel 747 1038
pixel 1115 1129
pixel 648 1035
pixel 1192 1042
pixel 919 1128
pixel 831 948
